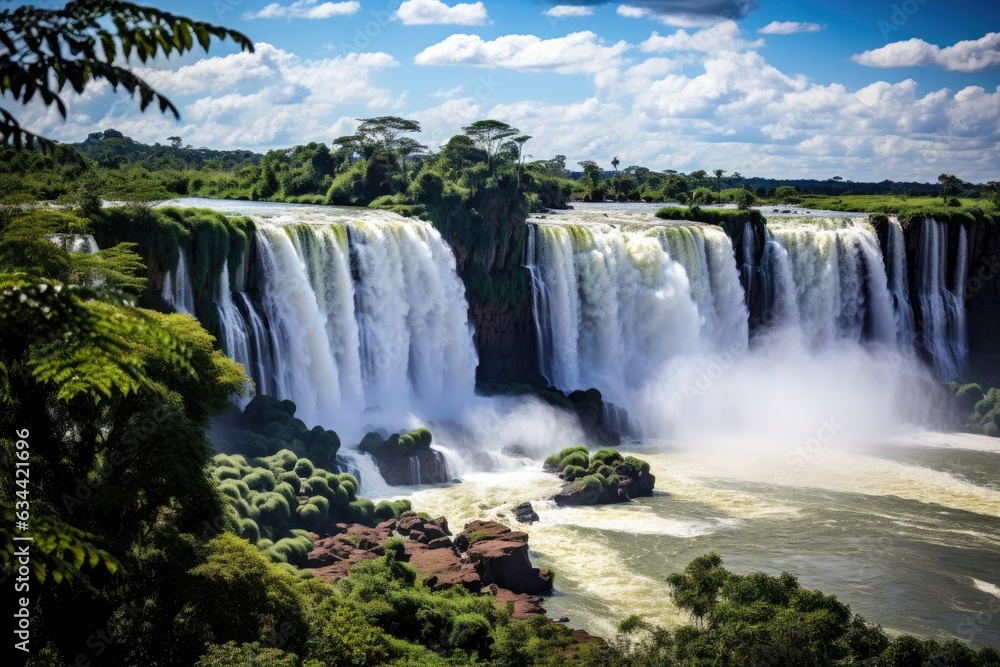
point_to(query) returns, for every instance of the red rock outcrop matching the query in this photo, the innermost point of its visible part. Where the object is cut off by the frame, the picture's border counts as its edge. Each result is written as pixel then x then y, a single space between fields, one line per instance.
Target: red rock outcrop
pixel 485 557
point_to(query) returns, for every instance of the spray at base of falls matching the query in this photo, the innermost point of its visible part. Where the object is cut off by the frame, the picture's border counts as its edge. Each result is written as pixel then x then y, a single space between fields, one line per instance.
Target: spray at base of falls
pixel 826 301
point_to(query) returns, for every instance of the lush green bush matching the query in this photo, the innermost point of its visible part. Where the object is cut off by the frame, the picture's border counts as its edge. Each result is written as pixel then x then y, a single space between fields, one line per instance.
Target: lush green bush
pixel 981 408
pixel 397 444
pixel 596 471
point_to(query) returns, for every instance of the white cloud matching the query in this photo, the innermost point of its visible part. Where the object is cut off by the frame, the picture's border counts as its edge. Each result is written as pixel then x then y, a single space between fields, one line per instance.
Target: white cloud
pixel 447 94
pixel 435 12
pixel 576 53
pixel 305 9
pixel 724 36
pixel 630 12
pixel 568 11
pixel 789 27
pixel 256 100
pixel 966 56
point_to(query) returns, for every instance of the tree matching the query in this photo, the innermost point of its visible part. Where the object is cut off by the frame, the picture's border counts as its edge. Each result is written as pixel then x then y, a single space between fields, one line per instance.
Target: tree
pixel 744 199
pixel 614 163
pixel 490 136
pixel 718 179
pixel 175 142
pixel 787 194
pixel 72 47
pixel 992 192
pixel 950 185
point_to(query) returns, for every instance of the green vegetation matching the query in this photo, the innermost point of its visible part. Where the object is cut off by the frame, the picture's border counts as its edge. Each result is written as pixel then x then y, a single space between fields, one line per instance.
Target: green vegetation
pixel 758 619
pixel 276 500
pixel 267 426
pixel 50 50
pixel 906 207
pixel 980 408
pixel 397 444
pixel 600 469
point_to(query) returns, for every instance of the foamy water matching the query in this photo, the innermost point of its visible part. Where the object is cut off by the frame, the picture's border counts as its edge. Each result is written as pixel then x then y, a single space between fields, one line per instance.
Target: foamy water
pixel 907 533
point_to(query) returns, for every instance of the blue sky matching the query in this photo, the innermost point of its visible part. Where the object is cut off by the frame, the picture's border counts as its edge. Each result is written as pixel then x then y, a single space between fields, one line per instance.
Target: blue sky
pixel 866 90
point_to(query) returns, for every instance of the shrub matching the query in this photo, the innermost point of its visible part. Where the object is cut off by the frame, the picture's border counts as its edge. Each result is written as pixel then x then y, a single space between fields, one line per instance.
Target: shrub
pixel 304 468
pixel 288 493
pixel 260 480
pixel 322 503
pixel 317 486
pixel 572 472
pixel 292 480
pixel 606 456
pixel 470 632
pixel 249 530
pixel 575 459
pixel 638 464
pixel 361 510
pixel 309 515
pixel 591 483
pixel 225 472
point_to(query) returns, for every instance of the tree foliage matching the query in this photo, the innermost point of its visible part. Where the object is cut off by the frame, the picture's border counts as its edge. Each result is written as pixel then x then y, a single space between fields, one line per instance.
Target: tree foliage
pixel 51 50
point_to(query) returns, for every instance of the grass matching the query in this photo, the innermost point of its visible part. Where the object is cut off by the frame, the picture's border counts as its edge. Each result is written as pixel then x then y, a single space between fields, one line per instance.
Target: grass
pixel 901 205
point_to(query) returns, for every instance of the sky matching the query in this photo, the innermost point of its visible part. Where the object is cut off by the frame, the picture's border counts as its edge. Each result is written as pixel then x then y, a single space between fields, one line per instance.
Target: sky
pixel 861 89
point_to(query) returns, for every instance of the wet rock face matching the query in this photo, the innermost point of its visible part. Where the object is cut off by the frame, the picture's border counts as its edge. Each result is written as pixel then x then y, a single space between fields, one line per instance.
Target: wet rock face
pixel 485 557
pixel 525 513
pixel 632 483
pixel 425 466
pixel 501 557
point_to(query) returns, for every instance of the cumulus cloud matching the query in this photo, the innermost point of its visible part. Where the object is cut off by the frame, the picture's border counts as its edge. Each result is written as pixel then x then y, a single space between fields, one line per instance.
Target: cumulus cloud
pixel 576 53
pixel 568 11
pixel 965 56
pixel 789 27
pixel 435 12
pixel 724 36
pixel 686 13
pixel 305 9
pixel 245 100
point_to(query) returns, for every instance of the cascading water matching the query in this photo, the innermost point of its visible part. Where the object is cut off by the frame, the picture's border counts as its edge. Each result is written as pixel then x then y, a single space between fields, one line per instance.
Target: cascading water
pixel 839 279
pixel 355 317
pixel 941 308
pixel 613 303
pixel 895 264
pixel 262 365
pixel 235 339
pixel 177 287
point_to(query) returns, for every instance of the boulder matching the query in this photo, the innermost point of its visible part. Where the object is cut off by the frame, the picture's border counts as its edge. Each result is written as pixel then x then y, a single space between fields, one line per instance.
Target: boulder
pixel 525 513
pixel 501 557
pixel 424 466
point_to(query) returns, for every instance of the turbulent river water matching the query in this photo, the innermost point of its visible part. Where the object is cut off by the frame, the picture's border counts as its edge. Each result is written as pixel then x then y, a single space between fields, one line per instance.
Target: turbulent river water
pixel 802 448
pixel 907 532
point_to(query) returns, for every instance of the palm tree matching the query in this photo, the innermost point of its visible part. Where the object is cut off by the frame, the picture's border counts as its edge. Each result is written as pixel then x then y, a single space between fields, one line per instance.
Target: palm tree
pixel 718 179
pixel 614 163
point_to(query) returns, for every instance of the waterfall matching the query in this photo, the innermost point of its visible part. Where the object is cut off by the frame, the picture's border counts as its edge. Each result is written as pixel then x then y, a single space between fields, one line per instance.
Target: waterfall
pixel 415 337
pixel 235 340
pixel 177 287
pixel 942 308
pixel 619 302
pixel 303 361
pixel 895 264
pixel 840 282
pixel 260 346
